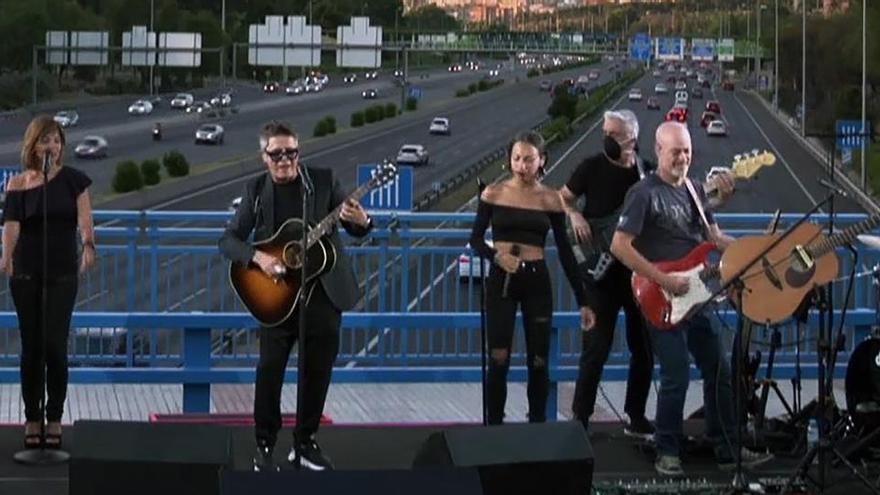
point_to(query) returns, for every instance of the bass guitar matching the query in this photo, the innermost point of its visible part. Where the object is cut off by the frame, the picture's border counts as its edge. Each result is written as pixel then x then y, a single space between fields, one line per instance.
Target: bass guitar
pixel 271 300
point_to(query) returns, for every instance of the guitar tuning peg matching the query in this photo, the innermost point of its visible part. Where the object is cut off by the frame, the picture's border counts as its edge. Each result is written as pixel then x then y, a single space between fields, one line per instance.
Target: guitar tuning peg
pixel 755 152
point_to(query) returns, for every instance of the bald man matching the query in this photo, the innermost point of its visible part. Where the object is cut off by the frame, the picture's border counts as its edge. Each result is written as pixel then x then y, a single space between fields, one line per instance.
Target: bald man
pixel 659 222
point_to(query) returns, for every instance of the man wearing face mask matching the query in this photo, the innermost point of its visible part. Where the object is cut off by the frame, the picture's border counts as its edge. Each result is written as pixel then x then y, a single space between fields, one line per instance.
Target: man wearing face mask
pixel 269 200
pixel 603 180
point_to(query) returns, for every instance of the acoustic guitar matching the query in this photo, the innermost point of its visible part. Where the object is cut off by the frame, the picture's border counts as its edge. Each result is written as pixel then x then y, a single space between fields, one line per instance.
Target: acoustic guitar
pixel 271 300
pixel 776 285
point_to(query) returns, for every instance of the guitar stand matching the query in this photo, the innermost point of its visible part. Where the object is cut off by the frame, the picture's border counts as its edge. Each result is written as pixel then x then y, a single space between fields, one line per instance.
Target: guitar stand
pixel 769 383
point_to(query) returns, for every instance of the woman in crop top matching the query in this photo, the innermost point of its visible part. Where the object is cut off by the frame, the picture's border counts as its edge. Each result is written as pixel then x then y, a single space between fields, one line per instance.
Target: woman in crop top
pixel 521 210
pixel 69 208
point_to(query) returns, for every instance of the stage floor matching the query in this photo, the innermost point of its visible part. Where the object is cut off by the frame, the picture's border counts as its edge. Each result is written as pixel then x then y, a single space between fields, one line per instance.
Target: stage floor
pixel 364 447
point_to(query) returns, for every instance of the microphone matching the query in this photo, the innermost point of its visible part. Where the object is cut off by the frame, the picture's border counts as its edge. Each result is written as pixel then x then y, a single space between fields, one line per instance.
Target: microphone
pixel 833 187
pixel 514 250
pixel 307 181
pixel 47 162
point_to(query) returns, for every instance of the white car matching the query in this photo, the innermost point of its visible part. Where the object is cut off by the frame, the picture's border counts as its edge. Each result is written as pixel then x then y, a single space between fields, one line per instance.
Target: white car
pixel 412 154
pixel 370 75
pixel 91 147
pixel 681 97
pixel 440 125
pixel 295 88
pixel 209 133
pixel 468 264
pixel 681 85
pixel 716 128
pixel 635 94
pixel 349 78
pixel 198 107
pixel 66 118
pixel 221 100
pixel 182 100
pixel 140 107
pixel 313 85
pixel 661 89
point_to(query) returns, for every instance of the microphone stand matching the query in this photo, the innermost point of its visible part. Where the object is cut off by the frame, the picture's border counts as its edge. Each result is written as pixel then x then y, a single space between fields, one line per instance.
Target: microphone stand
pixel 483 339
pixel 43 456
pixel 739 483
pixel 307 190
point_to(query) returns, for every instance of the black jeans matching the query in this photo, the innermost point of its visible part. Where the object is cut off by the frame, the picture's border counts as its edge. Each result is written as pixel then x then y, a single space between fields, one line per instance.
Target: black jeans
pixel 57 310
pixel 613 293
pixel 322 345
pixel 530 288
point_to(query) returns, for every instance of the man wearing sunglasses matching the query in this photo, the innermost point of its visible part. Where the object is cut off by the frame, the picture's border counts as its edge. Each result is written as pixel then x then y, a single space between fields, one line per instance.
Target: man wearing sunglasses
pixel 268 201
pixel 603 180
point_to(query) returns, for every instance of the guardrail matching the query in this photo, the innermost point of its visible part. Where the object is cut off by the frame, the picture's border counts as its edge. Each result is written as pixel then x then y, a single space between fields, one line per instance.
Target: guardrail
pixel 197 367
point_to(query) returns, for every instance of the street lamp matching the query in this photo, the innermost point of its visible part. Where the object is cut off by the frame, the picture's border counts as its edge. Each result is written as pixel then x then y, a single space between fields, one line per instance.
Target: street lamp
pixel 153 57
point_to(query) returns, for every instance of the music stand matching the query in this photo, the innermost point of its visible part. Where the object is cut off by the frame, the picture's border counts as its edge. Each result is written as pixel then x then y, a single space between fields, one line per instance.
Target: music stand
pixel 739 484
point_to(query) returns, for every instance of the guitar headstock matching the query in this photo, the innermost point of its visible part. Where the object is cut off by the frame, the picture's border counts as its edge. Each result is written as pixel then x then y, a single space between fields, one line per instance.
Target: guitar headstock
pixel 384 173
pixel 747 164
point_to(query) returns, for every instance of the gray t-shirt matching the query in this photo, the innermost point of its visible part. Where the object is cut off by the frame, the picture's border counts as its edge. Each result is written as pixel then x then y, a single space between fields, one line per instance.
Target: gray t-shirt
pixel 663 219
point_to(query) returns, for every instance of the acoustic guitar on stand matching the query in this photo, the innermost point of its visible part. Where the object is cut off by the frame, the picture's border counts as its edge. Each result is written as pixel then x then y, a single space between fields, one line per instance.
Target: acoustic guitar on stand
pixel 665 310
pixel 271 300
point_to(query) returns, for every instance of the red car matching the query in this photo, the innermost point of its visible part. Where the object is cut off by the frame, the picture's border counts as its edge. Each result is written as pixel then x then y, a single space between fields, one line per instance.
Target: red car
pixel 713 106
pixel 677 115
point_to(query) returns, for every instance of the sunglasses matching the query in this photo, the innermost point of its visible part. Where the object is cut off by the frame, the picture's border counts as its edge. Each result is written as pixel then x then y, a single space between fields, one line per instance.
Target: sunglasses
pixel 278 155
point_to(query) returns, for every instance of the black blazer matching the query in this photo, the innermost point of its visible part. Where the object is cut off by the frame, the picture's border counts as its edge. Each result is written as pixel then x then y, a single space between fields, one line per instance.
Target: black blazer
pixel 256 214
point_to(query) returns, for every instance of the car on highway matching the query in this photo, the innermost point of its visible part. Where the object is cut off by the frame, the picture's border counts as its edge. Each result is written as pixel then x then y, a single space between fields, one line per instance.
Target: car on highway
pixel 713 106
pixel 182 100
pixel 271 87
pixel 91 147
pixel 209 133
pixel 455 68
pixel 681 97
pixel 594 74
pixel 677 114
pixel 493 73
pixel 397 73
pixel 198 107
pixel 656 73
pixel 727 85
pixel 469 264
pixel 369 94
pixel 707 117
pixel 140 107
pixel 697 93
pixel 707 84
pixel 653 103
pixel 680 86
pixel 221 100
pixel 661 89
pixel 313 85
pixel 295 88
pixel 635 94
pixel 412 154
pixel 66 118
pixel 371 74
pixel 439 125
pixel 716 128
pixel 350 78
pixel 545 85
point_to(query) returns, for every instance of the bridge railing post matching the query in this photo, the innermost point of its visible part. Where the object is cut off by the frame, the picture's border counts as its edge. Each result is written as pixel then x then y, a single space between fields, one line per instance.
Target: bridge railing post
pixel 196 359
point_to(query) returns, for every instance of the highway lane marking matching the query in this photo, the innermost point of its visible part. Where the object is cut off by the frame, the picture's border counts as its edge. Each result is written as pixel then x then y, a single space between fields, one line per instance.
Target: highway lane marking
pixel 375 340
pixel 92 297
pixel 778 153
pixel 186 299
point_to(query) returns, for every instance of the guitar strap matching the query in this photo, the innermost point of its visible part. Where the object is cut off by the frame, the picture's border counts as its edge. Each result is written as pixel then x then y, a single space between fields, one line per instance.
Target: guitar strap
pixel 696 198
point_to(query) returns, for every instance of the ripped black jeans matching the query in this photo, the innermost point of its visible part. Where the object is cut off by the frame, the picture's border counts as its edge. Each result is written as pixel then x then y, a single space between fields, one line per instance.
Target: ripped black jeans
pixel 529 288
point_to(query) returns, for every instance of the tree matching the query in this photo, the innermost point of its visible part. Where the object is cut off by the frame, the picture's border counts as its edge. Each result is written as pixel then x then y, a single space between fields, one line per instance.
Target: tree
pixel 430 18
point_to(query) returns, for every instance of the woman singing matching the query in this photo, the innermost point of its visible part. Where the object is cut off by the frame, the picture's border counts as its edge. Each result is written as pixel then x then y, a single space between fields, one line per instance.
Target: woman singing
pixel 521 210
pixel 69 208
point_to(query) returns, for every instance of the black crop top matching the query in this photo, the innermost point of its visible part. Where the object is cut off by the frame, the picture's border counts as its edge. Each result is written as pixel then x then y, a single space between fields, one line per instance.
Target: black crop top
pixel 26 207
pixel 527 226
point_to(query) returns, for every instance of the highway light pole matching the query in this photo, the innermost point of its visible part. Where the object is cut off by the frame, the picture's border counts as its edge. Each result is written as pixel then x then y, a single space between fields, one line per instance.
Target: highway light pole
pixel 803 67
pixel 864 84
pixel 152 55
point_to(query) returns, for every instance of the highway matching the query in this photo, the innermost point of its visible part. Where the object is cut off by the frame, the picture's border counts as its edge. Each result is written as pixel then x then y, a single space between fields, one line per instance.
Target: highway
pixel 129 137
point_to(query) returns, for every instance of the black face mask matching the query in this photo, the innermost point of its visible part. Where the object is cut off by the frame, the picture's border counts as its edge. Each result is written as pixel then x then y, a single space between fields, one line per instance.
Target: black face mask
pixel 612 148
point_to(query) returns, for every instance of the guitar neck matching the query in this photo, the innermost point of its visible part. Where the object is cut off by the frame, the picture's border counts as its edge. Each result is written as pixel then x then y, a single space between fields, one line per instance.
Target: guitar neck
pixel 325 226
pixel 846 236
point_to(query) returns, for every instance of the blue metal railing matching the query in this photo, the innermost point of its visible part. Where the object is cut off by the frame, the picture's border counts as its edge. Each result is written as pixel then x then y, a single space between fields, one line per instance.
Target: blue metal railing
pixel 159 305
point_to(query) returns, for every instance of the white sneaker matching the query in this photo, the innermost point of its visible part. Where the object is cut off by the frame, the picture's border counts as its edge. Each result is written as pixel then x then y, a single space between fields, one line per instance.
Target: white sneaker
pixel 668 465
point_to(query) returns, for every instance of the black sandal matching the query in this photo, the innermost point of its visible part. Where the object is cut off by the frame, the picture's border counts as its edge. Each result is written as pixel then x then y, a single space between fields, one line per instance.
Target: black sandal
pixel 33 441
pixel 52 441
